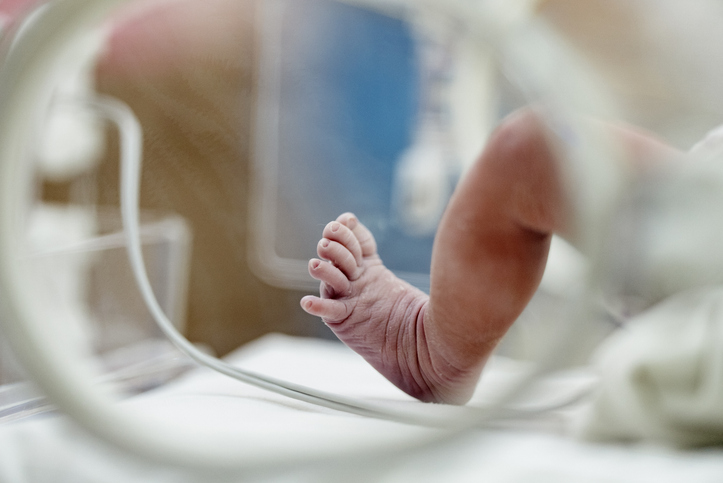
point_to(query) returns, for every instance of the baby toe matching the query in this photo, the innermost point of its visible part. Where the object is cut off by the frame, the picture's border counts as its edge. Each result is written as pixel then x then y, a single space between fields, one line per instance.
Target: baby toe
pixel 332 311
pixel 330 276
pixel 343 235
pixel 338 255
pixel 364 237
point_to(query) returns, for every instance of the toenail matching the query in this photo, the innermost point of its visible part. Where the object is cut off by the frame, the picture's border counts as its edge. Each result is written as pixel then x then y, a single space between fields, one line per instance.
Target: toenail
pixel 351 222
pixel 324 243
pixel 315 264
pixel 335 226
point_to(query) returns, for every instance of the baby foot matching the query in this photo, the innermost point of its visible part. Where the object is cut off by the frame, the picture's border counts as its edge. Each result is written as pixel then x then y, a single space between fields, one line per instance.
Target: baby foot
pixel 381 317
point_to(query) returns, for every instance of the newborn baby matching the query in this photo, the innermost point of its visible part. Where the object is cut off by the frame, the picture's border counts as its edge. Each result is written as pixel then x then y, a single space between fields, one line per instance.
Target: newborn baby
pixel 488 258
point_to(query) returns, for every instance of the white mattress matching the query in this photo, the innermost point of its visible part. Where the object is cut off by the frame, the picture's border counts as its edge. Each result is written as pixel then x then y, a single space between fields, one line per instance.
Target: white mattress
pixel 53 449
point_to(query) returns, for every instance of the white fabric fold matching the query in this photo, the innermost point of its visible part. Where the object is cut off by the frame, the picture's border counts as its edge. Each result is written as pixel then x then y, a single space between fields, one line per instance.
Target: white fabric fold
pixel 662 376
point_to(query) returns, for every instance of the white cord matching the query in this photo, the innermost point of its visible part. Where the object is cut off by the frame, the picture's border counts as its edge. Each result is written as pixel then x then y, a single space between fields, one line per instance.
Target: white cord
pixel 131 155
pixel 131 160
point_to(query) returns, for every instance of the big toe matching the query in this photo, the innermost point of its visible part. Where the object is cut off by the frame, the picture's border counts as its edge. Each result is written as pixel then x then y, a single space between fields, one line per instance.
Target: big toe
pixel 367 243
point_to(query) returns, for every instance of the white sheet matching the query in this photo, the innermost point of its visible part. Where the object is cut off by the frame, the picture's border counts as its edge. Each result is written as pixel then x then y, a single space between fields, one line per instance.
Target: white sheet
pixel 53 449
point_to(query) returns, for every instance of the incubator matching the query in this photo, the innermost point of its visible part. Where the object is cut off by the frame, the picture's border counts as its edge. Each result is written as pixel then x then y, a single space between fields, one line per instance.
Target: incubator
pixel 373 106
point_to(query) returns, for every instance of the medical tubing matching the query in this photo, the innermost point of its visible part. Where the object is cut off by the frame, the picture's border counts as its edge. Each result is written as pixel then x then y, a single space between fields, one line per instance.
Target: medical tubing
pixel 131 160
pixel 131 151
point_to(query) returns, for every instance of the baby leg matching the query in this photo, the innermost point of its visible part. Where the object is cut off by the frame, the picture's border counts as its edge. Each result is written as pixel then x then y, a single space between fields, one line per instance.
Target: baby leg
pixel 486 265
pixel 489 255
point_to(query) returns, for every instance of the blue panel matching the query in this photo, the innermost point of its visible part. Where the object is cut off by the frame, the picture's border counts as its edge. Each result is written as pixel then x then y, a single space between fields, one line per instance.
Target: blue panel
pixel 349 97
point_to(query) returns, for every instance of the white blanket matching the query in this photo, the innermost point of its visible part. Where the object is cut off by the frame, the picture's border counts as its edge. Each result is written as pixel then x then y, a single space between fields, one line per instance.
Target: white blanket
pixel 662 375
